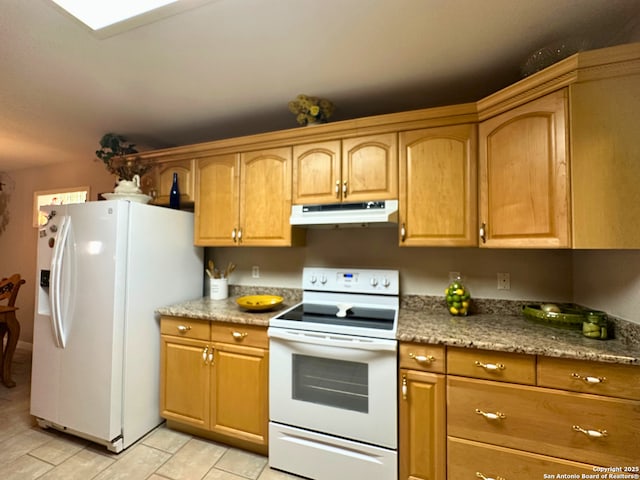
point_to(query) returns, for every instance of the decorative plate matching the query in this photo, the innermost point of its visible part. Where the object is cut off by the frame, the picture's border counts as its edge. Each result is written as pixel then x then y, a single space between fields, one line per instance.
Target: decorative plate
pixel 259 302
pixel 133 197
pixel 570 316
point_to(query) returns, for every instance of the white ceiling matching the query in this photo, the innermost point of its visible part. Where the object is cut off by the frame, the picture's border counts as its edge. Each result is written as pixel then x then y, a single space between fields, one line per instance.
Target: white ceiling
pixel 229 67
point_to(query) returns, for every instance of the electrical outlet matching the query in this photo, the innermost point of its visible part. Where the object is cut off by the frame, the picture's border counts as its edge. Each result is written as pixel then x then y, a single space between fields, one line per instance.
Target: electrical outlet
pixel 255 271
pixel 453 276
pixel 504 281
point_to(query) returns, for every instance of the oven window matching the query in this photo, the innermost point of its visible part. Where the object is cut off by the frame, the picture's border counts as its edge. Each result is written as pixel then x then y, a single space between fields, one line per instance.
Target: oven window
pixel 335 383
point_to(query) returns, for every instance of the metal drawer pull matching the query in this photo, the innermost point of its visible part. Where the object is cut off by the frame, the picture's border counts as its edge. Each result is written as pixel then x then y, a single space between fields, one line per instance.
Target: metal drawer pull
pixel 490 415
pixel 422 358
pixel 205 353
pixel 238 335
pixel 184 328
pixel 404 387
pixel 484 477
pixel 588 379
pixel 490 367
pixel 591 433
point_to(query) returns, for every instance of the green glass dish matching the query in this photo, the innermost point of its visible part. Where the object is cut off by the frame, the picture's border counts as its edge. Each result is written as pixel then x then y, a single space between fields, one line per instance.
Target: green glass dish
pixel 570 316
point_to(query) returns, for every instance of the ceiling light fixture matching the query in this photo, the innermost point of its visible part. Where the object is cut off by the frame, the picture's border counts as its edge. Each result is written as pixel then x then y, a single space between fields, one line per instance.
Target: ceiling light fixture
pixel 101 14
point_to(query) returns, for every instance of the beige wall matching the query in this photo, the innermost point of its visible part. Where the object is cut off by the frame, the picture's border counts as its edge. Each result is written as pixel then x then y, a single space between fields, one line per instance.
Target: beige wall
pixel 609 281
pixel 18 241
pixel 604 280
pixel 535 274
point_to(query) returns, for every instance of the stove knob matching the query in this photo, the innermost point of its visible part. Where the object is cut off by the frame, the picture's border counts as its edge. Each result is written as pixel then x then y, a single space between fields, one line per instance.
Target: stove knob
pixel 374 282
pixel 313 279
pixel 323 279
pixel 385 282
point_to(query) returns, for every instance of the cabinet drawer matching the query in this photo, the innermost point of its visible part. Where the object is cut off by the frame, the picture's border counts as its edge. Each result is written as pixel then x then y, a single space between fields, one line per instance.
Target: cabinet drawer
pixel 423 357
pixel 185 327
pixel 241 334
pixel 544 421
pixel 465 458
pixel 489 365
pixel 590 377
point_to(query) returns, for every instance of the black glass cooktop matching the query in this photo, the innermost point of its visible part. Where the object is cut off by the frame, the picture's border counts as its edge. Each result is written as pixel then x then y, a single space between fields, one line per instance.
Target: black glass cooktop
pixel 361 317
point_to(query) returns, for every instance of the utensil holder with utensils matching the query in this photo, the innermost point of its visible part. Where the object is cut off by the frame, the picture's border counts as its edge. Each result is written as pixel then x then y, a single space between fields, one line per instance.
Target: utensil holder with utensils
pixel 219 281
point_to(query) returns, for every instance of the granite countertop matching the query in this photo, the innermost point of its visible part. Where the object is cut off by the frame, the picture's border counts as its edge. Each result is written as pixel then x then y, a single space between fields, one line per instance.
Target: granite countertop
pixel 221 311
pixel 506 332
pixel 512 333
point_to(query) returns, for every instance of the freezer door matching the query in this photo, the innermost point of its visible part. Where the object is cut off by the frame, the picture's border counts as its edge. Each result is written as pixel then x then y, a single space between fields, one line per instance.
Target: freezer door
pixel 88 360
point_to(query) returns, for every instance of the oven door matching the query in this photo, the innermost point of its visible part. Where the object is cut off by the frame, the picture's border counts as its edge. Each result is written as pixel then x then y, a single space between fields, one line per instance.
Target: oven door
pixel 335 384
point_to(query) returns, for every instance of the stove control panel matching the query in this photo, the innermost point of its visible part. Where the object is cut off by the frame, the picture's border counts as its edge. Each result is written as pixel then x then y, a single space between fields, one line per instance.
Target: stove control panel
pixel 355 280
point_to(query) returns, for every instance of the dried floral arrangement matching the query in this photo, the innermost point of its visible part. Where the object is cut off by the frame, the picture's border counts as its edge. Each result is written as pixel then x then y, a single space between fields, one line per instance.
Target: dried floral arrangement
pixel 311 109
pixel 112 152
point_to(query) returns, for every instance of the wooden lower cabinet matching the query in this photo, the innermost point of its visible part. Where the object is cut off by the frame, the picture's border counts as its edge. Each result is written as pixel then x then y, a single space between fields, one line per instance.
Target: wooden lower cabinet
pixel 575 426
pixel 422 420
pixel 212 388
pixel 473 460
pixel 490 365
pixel 184 381
pixel 239 406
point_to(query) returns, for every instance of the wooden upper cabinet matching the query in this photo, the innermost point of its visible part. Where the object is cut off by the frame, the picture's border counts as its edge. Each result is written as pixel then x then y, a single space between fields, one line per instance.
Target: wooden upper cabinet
pixel 524 176
pixel 265 198
pixel 163 181
pixel 605 152
pixel 351 170
pixel 438 186
pixel 245 199
pixel 217 200
pixel 316 173
pixel 370 168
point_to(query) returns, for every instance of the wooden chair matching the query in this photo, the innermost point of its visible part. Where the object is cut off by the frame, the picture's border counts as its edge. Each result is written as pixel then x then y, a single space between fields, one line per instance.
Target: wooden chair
pixel 9 325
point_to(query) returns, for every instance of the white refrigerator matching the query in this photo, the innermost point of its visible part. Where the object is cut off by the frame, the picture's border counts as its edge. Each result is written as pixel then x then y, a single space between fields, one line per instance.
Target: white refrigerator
pixel 104 268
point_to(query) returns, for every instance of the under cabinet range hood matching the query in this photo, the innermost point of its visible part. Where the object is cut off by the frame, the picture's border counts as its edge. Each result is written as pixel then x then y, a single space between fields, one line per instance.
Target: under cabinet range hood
pixel 354 214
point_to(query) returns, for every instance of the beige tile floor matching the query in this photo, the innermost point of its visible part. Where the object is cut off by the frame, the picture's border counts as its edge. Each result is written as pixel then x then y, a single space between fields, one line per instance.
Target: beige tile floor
pixel 29 452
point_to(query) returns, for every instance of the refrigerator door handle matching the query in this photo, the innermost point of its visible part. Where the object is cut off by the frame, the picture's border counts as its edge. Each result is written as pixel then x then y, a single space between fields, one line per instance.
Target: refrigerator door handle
pixel 56 279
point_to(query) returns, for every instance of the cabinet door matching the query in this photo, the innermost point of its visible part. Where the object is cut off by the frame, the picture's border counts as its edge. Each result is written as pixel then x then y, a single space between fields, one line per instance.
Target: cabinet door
pixel 217 199
pixel 265 197
pixel 184 381
pixel 316 173
pixel 524 183
pixel 422 426
pixel 240 405
pixel 438 199
pixel 164 180
pixel 370 168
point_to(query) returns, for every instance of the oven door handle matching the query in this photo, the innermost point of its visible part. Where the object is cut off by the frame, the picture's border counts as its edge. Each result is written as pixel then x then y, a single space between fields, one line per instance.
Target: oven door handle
pixel 329 340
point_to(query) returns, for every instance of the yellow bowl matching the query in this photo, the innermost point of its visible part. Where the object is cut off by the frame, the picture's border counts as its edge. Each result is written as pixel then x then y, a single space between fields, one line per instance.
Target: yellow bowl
pixel 259 302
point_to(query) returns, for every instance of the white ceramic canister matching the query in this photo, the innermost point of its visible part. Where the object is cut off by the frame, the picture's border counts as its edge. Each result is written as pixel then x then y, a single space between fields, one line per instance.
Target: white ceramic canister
pixel 218 288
